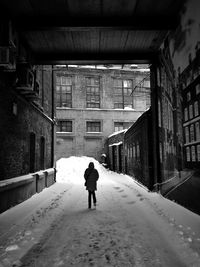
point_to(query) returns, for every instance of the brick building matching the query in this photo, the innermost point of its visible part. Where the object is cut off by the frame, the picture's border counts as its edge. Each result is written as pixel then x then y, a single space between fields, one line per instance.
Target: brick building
pixel 92 103
pixel 27 126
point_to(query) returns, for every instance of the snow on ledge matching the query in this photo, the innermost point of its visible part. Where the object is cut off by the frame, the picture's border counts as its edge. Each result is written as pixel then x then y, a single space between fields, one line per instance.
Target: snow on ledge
pixel 116 144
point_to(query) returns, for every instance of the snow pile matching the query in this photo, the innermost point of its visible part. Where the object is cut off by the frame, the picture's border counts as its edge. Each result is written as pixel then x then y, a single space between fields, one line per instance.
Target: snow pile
pixel 71 170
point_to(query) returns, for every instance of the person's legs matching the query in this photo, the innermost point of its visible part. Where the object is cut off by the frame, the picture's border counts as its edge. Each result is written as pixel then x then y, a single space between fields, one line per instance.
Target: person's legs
pixel 94 197
pixel 89 199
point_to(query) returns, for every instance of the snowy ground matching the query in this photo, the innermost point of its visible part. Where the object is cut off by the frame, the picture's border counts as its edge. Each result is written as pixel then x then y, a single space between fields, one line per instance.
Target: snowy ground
pixel 130 227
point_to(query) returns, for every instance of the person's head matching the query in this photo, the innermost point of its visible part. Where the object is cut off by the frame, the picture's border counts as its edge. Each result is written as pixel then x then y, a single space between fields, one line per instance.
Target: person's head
pixel 91 165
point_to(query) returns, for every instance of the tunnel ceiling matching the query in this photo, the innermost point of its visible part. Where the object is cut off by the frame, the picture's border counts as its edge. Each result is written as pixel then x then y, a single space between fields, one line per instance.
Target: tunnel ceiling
pixel 92 31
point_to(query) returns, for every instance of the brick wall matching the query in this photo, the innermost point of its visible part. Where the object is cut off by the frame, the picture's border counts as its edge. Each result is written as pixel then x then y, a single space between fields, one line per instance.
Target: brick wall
pixel 15 129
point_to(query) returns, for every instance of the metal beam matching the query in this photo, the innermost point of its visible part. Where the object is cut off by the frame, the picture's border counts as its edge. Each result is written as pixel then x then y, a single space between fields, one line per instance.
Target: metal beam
pixel 144 23
pixel 92 58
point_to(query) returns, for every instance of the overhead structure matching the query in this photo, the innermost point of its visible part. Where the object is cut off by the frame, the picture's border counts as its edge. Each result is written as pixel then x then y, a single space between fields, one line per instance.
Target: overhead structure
pixel 92 32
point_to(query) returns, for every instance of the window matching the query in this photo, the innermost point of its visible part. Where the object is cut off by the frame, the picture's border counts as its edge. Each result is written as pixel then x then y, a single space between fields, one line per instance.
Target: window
pixel 134 151
pixel 161 151
pixel 93 126
pixel 64 91
pixel 118 126
pixel 128 151
pixel 197 131
pixel 131 151
pixel 193 153
pixel 138 150
pixel 192 133
pixel 122 93
pixel 92 93
pixel 188 96
pixel 198 88
pixel 196 108
pixel 187 140
pixel 64 126
pixel 191 111
pixel 198 152
pixel 186 114
pixel 187 153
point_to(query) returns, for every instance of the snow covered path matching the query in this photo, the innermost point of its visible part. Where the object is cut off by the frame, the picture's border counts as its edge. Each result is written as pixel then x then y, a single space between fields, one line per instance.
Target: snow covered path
pixel 130 227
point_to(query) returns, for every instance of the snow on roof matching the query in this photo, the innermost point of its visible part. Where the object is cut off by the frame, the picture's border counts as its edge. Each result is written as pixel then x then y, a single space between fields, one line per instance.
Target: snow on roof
pixel 116 144
pixel 118 132
pixel 124 67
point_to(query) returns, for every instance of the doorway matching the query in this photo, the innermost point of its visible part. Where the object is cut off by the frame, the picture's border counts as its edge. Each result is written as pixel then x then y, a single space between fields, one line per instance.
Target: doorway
pixel 32 152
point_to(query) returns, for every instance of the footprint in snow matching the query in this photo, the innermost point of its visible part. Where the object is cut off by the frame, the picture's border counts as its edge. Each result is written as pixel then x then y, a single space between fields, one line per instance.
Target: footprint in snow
pixel 107 258
pixel 131 202
pixel 116 187
pixel 101 234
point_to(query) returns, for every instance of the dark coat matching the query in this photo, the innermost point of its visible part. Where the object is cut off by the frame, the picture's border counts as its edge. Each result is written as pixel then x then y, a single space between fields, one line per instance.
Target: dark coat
pixel 91 176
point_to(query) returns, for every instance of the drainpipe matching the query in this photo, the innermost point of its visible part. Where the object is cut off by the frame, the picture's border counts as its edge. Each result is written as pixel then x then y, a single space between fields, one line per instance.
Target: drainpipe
pixel 155 129
pixel 53 123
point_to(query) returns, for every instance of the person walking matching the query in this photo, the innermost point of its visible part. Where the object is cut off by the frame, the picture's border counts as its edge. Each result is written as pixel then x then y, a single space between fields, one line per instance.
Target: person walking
pixel 91 176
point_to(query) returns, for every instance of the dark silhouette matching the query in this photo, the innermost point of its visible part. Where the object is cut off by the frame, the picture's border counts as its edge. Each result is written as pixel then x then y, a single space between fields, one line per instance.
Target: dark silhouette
pixel 91 176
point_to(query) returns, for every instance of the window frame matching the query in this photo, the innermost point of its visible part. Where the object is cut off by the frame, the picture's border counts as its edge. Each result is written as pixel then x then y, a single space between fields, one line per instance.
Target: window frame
pixel 123 95
pixel 91 92
pixel 126 124
pixel 63 91
pixel 93 121
pixel 118 122
pixel 64 121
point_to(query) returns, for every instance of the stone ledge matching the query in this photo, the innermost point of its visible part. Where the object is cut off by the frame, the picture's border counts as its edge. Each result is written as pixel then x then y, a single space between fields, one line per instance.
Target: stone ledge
pixel 16 190
pixel 16 182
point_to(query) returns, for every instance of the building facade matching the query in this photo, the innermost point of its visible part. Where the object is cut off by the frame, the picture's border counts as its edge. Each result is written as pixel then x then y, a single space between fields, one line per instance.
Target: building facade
pixel 92 103
pixel 27 127
pixel 190 86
